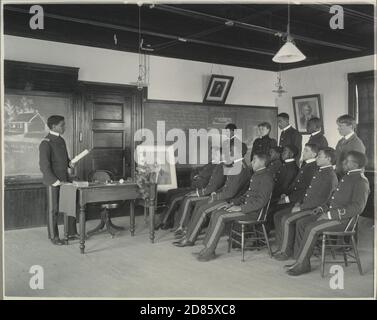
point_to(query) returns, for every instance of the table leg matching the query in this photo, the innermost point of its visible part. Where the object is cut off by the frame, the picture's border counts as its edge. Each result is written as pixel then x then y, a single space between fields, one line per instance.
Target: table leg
pixel 132 217
pixel 82 229
pixel 65 228
pixel 151 223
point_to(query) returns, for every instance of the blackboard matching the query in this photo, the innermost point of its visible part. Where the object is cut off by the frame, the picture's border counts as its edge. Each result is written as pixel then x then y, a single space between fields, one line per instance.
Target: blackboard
pixel 25 125
pixel 185 115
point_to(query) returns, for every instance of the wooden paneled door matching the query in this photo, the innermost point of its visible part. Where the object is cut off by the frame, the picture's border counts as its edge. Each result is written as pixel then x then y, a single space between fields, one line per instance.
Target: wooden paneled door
pixel 107 131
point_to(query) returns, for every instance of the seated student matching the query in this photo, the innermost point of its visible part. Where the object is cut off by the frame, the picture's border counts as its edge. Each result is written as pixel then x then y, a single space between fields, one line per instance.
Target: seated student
pixel 274 163
pixel 316 136
pixel 199 180
pixel 286 174
pixel 247 206
pixel 318 192
pixel 264 143
pixel 348 201
pixel 297 188
pixel 234 184
pixel 215 182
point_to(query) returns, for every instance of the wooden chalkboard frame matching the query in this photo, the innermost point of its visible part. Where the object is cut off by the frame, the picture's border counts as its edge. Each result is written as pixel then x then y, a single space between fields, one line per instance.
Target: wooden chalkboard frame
pixel 210 105
pixel 21 179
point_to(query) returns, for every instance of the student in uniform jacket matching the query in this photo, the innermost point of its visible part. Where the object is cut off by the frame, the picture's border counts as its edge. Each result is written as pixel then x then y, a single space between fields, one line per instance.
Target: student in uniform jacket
pixel 234 184
pixel 289 135
pixel 347 202
pixel 173 198
pixel 188 202
pixel 317 193
pixel 274 163
pixel 248 206
pixel 264 143
pixel 297 188
pixel 314 128
pixel 349 141
pixel 54 164
pixel 286 174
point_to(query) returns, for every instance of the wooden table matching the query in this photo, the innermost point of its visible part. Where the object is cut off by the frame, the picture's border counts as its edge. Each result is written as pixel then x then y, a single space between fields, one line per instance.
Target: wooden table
pixel 109 193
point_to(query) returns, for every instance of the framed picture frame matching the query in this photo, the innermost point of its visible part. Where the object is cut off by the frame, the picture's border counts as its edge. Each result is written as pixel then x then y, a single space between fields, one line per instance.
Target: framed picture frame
pixel 305 108
pixel 167 177
pixel 218 89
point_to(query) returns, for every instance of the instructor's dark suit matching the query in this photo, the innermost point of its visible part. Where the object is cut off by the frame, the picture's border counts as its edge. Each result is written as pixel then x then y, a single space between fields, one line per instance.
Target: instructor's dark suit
pixel 54 163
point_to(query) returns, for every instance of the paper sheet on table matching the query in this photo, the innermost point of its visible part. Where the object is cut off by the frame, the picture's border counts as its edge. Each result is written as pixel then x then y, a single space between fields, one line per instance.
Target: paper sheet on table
pixel 80 156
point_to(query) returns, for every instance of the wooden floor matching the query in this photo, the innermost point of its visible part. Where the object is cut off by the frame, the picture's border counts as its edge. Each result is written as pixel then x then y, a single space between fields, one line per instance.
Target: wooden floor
pixel 128 267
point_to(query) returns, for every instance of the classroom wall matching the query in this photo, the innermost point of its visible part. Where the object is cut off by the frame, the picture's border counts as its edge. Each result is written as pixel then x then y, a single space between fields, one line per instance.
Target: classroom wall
pixel 330 81
pixel 169 79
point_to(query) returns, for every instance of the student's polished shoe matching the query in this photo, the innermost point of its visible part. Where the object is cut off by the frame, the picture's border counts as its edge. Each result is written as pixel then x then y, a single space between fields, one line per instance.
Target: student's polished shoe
pixel 298 270
pixel 207 257
pixel 183 243
pixel 74 236
pixel 180 235
pixel 289 266
pixel 165 226
pixel 281 256
pixel 57 242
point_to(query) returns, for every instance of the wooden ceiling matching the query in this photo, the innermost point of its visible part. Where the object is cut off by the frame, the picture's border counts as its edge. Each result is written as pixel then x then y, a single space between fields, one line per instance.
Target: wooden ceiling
pixel 233 34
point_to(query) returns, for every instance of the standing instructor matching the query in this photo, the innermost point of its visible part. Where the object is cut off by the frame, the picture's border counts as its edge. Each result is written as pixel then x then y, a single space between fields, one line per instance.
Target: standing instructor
pixel 54 164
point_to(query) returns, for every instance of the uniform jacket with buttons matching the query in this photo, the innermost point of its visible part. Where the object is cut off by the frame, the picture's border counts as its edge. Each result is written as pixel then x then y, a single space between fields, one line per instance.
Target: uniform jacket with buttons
pixel 258 193
pixel 291 136
pixel 343 146
pixel 298 187
pixel 233 184
pixel 53 159
pixel 274 166
pixel 349 198
pixel 215 182
pixel 284 177
pixel 263 144
pixel 320 189
pixel 319 139
pixel 201 178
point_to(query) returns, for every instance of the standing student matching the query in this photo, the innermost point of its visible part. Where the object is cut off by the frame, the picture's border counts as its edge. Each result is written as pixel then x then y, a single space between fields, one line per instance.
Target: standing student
pixel 289 135
pixel 314 127
pixel 264 143
pixel 348 201
pixel 349 141
pixel 248 206
pixel 54 164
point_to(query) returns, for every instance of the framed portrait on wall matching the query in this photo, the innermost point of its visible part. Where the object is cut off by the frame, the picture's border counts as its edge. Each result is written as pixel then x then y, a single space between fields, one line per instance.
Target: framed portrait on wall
pixel 163 158
pixel 305 108
pixel 218 89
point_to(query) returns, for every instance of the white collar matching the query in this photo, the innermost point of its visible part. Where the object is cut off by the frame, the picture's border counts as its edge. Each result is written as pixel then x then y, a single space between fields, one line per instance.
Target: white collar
pixel 314 133
pixel 289 160
pixel 287 127
pixel 54 133
pixel 349 135
pixel 309 161
pixel 324 167
pixel 355 170
pixel 260 169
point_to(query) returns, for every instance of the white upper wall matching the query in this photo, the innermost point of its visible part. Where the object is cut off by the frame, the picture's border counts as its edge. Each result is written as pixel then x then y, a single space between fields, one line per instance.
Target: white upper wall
pixel 330 81
pixel 169 79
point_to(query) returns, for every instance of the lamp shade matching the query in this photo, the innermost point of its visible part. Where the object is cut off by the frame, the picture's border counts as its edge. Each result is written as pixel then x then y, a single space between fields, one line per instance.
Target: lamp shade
pixel 288 53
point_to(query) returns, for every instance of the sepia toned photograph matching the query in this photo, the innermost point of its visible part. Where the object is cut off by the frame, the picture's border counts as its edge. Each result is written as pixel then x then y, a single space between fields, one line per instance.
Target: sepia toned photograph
pixel 188 152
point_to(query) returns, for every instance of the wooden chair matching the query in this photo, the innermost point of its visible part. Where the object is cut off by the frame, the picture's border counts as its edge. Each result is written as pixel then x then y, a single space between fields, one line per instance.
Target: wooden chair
pixel 103 176
pixel 333 240
pixel 257 234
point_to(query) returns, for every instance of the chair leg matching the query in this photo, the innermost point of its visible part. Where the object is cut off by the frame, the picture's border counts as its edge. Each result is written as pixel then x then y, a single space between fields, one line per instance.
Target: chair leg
pixel 345 257
pixel 333 253
pixel 356 252
pixel 230 238
pixel 145 214
pixel 323 257
pixel 267 241
pixel 243 242
pixel 100 226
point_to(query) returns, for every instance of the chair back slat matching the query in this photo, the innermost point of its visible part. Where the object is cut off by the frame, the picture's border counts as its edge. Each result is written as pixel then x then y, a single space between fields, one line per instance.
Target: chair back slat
pixel 352 223
pixel 263 212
